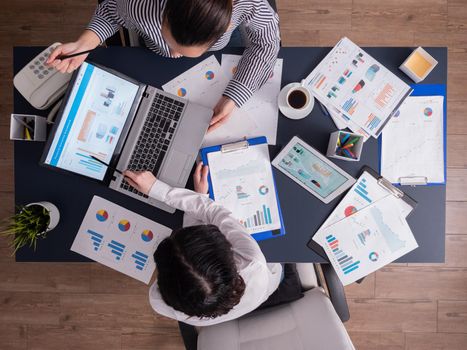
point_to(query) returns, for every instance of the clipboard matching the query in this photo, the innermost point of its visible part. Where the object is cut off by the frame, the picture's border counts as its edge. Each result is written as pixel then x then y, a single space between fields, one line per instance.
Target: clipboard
pixel 425 90
pixel 383 183
pixel 236 146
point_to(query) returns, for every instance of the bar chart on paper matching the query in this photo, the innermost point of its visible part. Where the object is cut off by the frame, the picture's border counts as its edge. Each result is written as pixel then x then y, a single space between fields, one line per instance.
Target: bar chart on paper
pixel 346 261
pixel 141 260
pixel 260 218
pixel 360 189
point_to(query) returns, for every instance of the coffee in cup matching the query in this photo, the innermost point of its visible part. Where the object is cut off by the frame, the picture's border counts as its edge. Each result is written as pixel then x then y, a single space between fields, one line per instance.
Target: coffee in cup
pixel 298 97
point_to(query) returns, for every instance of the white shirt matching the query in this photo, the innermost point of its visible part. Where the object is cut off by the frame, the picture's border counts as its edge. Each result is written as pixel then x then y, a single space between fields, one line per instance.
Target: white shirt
pixel 261 279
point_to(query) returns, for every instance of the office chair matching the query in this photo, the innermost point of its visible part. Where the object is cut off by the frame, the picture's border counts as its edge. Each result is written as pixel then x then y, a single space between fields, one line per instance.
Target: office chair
pixel 312 322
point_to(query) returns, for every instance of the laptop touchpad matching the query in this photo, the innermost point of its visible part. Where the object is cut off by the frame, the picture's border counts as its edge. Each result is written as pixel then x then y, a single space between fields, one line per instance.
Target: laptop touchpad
pixel 174 169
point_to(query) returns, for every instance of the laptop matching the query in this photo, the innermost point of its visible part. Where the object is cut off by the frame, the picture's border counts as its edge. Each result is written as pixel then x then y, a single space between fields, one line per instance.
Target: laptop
pixel 128 125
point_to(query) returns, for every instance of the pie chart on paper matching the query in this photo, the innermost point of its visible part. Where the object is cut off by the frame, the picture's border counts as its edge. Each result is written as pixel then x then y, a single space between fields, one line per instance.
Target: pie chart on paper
pixel 124 225
pixel 147 235
pixel 102 215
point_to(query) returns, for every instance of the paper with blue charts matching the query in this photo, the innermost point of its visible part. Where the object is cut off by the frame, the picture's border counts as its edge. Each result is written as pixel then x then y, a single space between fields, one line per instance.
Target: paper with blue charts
pixel 367 240
pixel 346 227
pixel 120 239
pixel 242 182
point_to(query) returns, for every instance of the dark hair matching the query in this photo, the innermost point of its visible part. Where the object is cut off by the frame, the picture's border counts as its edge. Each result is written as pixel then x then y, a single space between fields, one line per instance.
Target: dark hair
pixel 197 273
pixel 197 22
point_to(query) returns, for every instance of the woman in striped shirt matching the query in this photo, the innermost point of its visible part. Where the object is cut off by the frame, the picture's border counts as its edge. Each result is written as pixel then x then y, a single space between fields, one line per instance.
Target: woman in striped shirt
pixel 175 28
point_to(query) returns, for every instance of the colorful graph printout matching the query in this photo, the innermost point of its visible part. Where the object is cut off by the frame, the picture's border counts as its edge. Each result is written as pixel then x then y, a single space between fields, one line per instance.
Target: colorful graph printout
pixel 358 87
pixel 105 242
pixel 242 182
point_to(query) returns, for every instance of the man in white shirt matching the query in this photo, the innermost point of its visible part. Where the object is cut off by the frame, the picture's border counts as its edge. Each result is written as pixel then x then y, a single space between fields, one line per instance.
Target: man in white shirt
pixel 211 270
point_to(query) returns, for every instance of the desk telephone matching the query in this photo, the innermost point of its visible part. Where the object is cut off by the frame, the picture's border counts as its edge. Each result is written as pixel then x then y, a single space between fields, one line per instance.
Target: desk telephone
pixel 40 85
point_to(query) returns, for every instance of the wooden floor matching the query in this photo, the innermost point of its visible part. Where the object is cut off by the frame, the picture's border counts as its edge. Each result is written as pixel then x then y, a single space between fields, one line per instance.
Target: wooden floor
pixel 86 306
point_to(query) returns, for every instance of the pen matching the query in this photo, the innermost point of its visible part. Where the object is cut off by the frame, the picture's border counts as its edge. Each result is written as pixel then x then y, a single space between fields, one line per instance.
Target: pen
pixel 23 123
pixel 107 165
pixel 64 57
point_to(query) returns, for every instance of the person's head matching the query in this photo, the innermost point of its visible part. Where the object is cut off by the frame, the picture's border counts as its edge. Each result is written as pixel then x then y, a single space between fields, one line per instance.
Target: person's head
pixel 190 27
pixel 197 274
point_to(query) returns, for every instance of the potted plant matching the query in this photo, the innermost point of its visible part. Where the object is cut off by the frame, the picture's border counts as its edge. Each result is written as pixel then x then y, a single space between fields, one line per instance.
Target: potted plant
pixel 30 223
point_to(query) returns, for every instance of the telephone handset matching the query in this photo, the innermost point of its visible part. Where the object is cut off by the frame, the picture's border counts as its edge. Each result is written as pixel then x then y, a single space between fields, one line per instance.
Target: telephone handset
pixel 40 85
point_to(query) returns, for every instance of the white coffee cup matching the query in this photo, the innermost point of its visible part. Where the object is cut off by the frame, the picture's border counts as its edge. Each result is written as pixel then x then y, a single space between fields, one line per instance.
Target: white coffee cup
pixel 299 97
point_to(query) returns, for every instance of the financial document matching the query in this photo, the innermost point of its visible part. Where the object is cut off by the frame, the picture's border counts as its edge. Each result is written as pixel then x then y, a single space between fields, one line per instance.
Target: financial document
pixel 362 90
pixel 262 107
pixel 242 182
pixel 120 239
pixel 413 141
pixel 367 240
pixel 204 84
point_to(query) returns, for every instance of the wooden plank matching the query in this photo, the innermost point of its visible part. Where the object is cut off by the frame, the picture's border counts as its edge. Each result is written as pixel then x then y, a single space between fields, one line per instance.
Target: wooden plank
pixel 456 122
pixel 29 308
pixel 456 188
pixel 168 338
pixel 106 280
pixel 452 316
pixel 391 315
pixel 457 14
pixel 400 15
pixel 313 15
pixel 457 151
pixel 430 282
pixel 76 338
pixel 436 341
pixel 456 218
pixel 110 310
pixel 13 337
pixel 378 340
pixel 45 277
pixel 366 289
pixel 457 75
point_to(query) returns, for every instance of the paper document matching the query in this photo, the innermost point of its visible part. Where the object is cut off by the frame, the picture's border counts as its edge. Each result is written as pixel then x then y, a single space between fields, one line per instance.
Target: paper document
pixel 204 84
pixel 367 240
pixel 413 141
pixel 119 239
pixel 358 86
pixel 242 182
pixel 262 107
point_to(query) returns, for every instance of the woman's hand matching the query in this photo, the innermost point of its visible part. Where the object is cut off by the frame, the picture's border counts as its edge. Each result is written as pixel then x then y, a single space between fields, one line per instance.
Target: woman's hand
pixel 222 112
pixel 87 41
pixel 141 180
pixel 200 178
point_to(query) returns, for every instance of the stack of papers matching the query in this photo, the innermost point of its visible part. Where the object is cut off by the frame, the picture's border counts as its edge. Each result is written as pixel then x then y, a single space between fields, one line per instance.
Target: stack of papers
pixel 359 92
pixel 367 230
pixel 205 83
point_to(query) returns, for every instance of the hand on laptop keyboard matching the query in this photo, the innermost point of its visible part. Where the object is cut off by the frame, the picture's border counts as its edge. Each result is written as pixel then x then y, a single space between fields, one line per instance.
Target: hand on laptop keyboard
pixel 141 180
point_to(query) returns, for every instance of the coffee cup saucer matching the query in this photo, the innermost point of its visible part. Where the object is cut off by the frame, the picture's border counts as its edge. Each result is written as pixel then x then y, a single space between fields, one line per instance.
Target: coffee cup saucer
pixel 291 112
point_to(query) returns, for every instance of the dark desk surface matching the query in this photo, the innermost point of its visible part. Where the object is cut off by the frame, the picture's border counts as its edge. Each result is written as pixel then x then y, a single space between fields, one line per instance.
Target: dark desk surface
pixel 303 213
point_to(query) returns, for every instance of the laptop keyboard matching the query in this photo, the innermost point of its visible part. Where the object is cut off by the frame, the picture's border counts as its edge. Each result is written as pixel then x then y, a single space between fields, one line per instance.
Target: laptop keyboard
pixel 155 137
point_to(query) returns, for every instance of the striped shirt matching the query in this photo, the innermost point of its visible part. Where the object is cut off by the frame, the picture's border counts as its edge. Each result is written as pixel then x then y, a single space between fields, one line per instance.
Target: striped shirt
pixel 146 17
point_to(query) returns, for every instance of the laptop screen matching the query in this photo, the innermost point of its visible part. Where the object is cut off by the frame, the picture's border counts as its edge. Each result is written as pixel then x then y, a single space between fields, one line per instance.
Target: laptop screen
pixel 92 121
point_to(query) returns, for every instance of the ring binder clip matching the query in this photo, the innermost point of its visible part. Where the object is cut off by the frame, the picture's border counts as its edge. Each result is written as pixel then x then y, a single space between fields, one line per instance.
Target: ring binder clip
pixel 390 188
pixel 413 180
pixel 235 146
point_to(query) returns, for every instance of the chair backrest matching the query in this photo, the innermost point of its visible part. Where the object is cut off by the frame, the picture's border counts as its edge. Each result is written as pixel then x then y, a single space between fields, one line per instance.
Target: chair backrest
pixel 308 323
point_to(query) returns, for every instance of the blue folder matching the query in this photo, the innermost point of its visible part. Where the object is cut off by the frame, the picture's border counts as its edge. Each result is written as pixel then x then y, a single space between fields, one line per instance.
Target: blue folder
pixel 260 236
pixel 429 90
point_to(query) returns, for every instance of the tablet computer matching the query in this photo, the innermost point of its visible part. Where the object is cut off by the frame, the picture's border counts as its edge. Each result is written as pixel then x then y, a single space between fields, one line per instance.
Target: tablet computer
pixel 312 170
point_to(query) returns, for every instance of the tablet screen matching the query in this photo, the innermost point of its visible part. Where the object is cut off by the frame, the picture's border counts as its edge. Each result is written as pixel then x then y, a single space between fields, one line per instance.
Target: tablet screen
pixel 92 121
pixel 308 169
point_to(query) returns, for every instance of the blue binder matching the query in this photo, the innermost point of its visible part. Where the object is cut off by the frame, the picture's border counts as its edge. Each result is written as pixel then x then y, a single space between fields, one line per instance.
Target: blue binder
pixel 260 236
pixel 429 90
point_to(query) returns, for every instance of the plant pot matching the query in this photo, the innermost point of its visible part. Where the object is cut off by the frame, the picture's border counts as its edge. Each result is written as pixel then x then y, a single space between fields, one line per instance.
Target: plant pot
pixel 53 213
